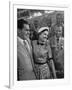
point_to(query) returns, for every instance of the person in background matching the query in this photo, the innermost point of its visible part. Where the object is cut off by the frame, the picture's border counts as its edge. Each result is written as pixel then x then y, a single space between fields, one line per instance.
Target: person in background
pixel 57 43
pixel 60 53
pixel 36 27
pixel 24 52
pixel 42 55
pixel 49 24
pixel 33 32
pixel 36 24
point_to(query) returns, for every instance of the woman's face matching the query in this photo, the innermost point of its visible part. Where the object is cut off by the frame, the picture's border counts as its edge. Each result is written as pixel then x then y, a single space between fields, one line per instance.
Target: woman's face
pixel 43 36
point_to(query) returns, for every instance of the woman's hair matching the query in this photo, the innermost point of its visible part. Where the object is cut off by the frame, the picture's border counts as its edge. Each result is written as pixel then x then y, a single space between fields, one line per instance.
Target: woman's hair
pixel 20 23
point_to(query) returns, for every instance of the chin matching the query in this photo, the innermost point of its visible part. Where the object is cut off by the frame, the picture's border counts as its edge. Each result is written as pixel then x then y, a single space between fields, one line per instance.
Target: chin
pixel 26 37
pixel 44 40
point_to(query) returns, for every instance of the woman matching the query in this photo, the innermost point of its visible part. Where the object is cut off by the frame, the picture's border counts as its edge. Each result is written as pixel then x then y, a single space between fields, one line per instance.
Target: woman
pixel 42 55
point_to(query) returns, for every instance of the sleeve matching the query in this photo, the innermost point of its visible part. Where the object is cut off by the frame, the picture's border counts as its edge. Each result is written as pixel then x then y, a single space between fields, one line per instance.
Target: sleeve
pixel 49 50
pixel 51 63
pixel 33 46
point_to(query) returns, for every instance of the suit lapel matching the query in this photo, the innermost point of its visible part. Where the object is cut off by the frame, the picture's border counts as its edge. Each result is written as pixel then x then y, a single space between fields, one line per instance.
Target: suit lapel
pixel 29 52
pixel 26 46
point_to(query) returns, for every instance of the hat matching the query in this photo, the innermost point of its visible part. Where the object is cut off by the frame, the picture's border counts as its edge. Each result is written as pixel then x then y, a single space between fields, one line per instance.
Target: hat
pixel 43 29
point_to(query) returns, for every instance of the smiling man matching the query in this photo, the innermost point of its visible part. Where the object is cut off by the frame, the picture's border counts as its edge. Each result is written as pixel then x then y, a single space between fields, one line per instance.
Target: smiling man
pixel 24 53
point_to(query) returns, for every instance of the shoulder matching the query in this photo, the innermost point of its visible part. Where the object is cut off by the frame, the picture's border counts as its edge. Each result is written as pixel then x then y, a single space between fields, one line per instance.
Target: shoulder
pixel 19 41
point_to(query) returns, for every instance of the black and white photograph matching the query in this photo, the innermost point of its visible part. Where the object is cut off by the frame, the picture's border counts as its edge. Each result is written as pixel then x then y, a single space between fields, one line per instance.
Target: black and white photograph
pixel 40 44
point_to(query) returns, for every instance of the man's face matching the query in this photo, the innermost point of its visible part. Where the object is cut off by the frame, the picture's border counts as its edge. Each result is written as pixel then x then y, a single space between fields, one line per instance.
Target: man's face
pixel 26 31
pixel 59 31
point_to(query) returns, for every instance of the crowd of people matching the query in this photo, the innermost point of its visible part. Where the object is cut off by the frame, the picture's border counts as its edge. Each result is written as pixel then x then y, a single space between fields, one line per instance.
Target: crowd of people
pixel 40 52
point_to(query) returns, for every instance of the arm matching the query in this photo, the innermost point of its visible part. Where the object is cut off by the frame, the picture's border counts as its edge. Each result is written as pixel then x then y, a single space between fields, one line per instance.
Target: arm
pixel 51 62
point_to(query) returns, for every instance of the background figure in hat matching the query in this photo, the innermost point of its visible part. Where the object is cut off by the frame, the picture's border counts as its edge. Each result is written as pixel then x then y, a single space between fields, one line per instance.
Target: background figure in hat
pixel 42 55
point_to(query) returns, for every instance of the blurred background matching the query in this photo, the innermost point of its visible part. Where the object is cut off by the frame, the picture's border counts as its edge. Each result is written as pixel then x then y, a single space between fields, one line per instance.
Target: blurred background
pixel 39 18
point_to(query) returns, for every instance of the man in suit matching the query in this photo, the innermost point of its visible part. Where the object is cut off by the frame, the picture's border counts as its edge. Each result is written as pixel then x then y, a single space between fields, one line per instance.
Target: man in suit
pixel 24 53
pixel 57 44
